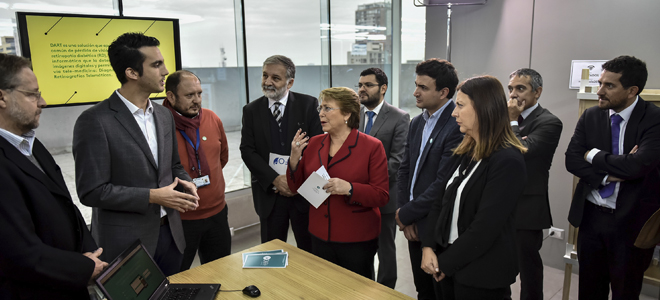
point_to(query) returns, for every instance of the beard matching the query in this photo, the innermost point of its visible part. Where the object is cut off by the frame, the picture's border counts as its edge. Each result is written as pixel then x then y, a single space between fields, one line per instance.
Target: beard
pixel 184 111
pixel 371 102
pixel 273 93
pixel 22 119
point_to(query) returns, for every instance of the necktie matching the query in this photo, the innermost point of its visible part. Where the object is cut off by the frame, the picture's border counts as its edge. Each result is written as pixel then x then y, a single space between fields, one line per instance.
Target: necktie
pixel 370 122
pixel 277 114
pixel 608 189
pixel 520 119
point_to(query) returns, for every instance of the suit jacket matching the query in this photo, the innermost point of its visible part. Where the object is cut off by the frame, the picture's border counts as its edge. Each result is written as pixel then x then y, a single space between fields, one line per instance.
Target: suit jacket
pixel 256 144
pixel 484 255
pixel 362 162
pixel 639 194
pixel 543 131
pixel 391 128
pixel 42 232
pixel 115 171
pixel 431 174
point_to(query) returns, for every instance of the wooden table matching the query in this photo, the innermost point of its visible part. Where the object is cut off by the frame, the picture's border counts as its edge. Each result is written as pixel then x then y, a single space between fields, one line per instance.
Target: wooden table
pixel 306 277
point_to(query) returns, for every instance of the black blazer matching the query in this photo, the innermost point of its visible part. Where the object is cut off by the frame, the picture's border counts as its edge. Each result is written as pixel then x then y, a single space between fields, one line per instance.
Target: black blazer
pixel 42 233
pixel 639 194
pixel 484 255
pixel 431 176
pixel 543 131
pixel 256 145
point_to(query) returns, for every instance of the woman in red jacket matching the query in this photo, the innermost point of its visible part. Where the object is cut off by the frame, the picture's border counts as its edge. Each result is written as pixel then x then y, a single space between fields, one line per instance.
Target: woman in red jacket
pixel 346 226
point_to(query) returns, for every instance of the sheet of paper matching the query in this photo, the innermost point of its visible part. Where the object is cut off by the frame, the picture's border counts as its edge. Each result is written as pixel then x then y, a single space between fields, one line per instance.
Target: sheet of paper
pixel 323 172
pixel 278 162
pixel 261 252
pixel 268 260
pixel 312 189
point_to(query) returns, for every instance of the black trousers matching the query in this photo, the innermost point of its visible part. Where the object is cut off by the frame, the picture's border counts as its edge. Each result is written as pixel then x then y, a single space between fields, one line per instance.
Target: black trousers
pixel 387 251
pixel 357 257
pixel 276 225
pixel 427 288
pixel 452 290
pixel 529 242
pixel 607 258
pixel 209 237
pixel 167 256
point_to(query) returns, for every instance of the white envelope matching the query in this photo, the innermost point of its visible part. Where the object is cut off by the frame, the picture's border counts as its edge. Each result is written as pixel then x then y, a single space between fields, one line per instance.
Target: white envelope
pixel 312 189
pixel 278 163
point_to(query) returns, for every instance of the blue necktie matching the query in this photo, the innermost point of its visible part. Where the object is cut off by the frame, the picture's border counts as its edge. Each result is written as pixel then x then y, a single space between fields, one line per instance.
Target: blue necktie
pixel 370 122
pixel 608 189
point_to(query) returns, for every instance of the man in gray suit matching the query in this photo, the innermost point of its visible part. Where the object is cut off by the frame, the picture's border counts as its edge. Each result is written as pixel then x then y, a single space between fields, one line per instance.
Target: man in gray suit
pixel 390 125
pixel 538 130
pixel 127 163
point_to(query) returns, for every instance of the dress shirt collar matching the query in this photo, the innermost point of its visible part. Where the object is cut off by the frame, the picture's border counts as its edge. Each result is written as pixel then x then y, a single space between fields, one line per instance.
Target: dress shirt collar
pixel 436 115
pixel 525 113
pixel 283 101
pixel 132 108
pixel 627 112
pixel 376 110
pixel 23 143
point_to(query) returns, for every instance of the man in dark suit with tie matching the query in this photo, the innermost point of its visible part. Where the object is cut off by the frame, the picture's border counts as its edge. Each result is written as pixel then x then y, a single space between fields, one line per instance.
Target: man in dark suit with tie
pixel 615 151
pixel 269 124
pixel 127 162
pixel 538 130
pixel 431 138
pixel 47 251
pixel 389 124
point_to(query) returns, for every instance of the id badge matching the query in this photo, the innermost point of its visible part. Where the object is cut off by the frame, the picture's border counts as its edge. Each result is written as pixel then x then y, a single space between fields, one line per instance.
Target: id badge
pixel 202 181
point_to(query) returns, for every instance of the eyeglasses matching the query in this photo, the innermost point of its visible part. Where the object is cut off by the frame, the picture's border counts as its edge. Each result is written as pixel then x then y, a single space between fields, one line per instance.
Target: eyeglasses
pixel 368 85
pixel 36 95
pixel 326 109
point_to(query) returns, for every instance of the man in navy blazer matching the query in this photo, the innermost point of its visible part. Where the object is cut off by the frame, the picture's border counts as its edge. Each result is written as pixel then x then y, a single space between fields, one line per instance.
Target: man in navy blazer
pixel 615 151
pixel 264 133
pixel 388 124
pixel 47 251
pixel 538 130
pixel 127 160
pixel 431 138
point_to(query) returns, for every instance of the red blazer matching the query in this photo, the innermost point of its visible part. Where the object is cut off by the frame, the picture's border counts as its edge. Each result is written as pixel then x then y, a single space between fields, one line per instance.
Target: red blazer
pixel 361 161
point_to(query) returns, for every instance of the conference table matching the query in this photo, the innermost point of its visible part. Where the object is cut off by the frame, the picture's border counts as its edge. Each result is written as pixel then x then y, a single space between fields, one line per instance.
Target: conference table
pixel 306 277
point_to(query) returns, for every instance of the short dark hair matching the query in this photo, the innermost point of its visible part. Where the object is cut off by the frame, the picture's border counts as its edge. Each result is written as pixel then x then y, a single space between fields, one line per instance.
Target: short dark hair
pixel 490 105
pixel 173 80
pixel 283 61
pixel 124 53
pixel 10 66
pixel 381 77
pixel 442 71
pixel 347 100
pixel 535 79
pixel 633 71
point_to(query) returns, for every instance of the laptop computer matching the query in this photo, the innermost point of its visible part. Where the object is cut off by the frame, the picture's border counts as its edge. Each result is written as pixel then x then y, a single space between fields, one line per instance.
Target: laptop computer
pixel 135 275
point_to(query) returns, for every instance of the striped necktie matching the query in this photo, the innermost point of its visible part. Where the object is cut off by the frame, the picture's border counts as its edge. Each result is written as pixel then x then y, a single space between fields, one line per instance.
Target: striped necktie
pixel 277 113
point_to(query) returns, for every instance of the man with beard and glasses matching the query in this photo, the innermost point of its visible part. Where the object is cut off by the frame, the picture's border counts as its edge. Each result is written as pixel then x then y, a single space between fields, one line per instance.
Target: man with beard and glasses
pixel 47 251
pixel 127 164
pixel 204 152
pixel 390 125
pixel 269 125
pixel 615 151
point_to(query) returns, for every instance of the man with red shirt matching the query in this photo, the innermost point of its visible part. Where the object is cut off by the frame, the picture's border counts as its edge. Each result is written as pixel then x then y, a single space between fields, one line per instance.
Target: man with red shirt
pixel 203 150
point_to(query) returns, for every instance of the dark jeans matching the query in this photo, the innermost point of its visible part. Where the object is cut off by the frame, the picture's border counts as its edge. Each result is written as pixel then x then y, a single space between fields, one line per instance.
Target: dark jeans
pixel 357 257
pixel 210 237
pixel 167 256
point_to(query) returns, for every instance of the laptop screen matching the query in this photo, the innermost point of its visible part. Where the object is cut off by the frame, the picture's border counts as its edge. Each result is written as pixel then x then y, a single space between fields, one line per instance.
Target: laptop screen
pixel 133 275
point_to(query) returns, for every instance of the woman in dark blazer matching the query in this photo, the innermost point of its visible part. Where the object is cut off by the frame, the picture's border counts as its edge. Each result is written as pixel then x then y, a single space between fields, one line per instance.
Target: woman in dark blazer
pixel 346 226
pixel 471 249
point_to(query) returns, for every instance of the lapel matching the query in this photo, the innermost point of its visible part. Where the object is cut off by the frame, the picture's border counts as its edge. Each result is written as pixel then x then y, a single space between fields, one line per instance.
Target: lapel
pixel 630 136
pixel 381 119
pixel 362 118
pixel 126 119
pixel 605 140
pixel 470 183
pixel 160 116
pixel 344 151
pixel 292 124
pixel 51 179
pixel 439 126
pixel 524 128
pixel 264 114
pixel 417 130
